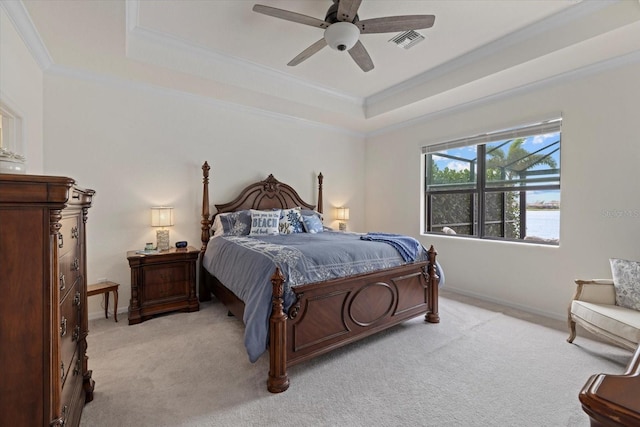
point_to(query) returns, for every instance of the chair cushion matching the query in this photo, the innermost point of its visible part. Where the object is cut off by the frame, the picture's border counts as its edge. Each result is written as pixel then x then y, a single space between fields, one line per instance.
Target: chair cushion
pixel 619 321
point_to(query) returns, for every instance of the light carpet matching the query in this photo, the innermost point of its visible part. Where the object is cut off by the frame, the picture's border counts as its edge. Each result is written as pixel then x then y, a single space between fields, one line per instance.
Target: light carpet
pixel 483 365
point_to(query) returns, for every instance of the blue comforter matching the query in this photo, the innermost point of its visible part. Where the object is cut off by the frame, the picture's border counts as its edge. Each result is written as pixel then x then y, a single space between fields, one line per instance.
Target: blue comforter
pixel 408 247
pixel 245 265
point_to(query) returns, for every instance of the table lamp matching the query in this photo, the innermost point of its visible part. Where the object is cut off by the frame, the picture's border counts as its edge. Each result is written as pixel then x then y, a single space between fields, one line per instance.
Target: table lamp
pixel 162 216
pixel 342 214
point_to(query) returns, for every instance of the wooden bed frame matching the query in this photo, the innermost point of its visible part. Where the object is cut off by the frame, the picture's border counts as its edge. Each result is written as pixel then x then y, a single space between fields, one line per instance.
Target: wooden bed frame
pixel 326 315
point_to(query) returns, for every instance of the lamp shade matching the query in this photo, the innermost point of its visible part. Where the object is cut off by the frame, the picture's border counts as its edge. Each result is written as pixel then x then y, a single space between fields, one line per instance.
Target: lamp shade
pixel 341 35
pixel 161 216
pixel 342 213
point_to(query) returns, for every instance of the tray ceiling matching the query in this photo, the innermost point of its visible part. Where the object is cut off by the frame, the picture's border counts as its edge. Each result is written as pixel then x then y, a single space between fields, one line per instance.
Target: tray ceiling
pixel 221 50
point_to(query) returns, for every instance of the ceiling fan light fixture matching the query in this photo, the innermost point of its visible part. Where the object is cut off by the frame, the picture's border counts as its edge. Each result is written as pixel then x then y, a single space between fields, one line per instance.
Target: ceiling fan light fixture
pixel 341 36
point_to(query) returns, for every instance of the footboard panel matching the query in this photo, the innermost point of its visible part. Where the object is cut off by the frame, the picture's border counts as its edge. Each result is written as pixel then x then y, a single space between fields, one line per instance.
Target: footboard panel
pixel 339 312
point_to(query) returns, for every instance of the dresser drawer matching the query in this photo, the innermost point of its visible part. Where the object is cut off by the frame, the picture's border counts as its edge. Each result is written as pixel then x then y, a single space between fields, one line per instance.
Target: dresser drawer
pixel 68 235
pixel 70 324
pixel 71 395
pixel 69 270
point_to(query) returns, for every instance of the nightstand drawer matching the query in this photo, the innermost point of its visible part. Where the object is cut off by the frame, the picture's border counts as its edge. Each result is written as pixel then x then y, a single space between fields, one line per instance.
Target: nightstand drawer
pixel 165 282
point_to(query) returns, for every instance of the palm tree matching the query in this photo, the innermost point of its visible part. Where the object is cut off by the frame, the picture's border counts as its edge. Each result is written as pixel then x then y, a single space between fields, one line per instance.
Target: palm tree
pixel 512 169
pixel 517 160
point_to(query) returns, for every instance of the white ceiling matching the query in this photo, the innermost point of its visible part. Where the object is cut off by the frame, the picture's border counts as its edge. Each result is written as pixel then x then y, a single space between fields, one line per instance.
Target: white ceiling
pixel 224 52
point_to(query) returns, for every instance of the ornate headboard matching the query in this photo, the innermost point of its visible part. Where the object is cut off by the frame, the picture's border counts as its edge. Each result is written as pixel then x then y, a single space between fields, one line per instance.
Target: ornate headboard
pixel 267 194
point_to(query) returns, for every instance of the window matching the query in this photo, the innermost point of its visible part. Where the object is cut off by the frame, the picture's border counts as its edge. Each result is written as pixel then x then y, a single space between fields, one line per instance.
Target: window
pixel 501 185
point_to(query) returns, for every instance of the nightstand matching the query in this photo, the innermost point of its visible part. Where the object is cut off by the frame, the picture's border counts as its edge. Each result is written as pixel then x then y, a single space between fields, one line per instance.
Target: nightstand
pixel 162 283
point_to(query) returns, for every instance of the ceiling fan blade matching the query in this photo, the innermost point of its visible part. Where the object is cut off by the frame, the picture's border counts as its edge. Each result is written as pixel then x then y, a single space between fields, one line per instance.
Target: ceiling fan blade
pixel 361 56
pixel 347 9
pixel 290 16
pixel 308 52
pixel 392 24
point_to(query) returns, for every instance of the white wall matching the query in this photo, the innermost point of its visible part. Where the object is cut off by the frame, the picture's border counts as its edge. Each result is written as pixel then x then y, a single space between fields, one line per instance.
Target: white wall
pixel 21 91
pixel 600 155
pixel 139 146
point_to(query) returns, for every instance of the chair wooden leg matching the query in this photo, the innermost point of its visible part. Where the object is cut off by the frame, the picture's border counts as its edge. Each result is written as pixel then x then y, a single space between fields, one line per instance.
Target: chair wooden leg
pixel 572 330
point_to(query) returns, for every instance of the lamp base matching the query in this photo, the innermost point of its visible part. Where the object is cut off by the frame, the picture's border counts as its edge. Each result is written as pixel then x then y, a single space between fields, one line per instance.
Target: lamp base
pixel 162 237
pixel 342 226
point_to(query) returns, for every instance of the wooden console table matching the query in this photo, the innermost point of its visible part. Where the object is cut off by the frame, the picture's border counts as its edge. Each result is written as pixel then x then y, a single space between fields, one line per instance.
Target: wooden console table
pixel 614 400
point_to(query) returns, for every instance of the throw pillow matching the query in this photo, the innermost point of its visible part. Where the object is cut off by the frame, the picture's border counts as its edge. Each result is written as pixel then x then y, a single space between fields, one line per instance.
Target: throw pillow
pixel 626 281
pixel 217 228
pixel 234 223
pixel 307 212
pixel 312 224
pixel 290 221
pixel 264 223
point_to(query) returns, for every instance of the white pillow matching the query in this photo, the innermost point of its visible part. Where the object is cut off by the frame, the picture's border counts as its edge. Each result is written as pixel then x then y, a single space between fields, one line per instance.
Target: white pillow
pixel 264 223
pixel 217 226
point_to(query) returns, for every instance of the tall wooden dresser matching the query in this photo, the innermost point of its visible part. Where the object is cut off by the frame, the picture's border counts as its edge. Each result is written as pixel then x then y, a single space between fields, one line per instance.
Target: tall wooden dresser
pixel 44 380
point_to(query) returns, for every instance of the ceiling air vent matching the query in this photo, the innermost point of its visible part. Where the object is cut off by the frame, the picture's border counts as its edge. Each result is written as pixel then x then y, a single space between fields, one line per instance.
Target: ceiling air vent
pixel 407 39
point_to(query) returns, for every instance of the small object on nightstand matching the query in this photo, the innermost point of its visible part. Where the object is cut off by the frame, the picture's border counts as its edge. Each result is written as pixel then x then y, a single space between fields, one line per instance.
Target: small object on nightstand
pixel 182 244
pixel 105 288
pixel 162 283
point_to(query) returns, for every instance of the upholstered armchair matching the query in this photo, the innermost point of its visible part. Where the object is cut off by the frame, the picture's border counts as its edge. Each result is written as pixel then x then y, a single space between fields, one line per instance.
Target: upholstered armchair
pixel 594 307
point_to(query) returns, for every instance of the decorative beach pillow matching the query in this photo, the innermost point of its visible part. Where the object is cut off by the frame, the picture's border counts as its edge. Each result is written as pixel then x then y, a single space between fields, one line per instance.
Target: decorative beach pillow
pixel 264 223
pixel 233 223
pixel 626 281
pixel 291 221
pixel 312 224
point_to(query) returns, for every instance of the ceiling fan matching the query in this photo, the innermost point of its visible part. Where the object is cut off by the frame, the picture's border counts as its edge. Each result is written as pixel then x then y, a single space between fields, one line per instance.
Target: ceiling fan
pixel 342 28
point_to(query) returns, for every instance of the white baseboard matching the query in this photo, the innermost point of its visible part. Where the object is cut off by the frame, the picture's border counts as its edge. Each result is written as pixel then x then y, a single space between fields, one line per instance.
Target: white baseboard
pixel 506 303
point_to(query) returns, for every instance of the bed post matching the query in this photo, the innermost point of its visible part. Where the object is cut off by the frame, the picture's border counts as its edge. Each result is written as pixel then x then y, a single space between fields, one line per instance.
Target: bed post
pixel 432 315
pixel 319 207
pixel 203 292
pixel 278 380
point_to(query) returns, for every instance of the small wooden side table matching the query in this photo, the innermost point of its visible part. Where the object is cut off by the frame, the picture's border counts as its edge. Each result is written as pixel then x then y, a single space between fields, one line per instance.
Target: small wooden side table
pixel 105 288
pixel 162 282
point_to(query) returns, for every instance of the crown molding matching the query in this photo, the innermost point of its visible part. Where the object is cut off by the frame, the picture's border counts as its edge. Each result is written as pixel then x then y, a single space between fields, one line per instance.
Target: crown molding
pixel 491 49
pixel 592 69
pixel 23 24
pixel 120 83
pixel 585 71
pixel 164 40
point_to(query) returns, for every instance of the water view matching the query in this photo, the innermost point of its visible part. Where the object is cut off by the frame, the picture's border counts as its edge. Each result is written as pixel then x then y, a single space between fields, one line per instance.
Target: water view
pixel 543 223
